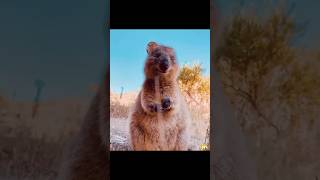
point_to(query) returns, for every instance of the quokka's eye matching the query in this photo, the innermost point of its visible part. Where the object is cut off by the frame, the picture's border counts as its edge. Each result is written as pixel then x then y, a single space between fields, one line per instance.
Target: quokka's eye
pixel 153 58
pixel 157 55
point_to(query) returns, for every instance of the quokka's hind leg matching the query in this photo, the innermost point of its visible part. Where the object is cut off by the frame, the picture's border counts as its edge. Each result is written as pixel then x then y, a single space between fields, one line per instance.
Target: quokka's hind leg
pixel 137 137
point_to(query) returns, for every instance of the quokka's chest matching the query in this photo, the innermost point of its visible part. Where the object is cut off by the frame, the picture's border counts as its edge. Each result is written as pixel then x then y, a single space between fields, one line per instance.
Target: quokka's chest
pixel 167 126
pixel 163 86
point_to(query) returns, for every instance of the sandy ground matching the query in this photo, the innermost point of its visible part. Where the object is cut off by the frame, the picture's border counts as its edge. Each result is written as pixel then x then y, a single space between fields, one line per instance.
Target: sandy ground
pixel 119 134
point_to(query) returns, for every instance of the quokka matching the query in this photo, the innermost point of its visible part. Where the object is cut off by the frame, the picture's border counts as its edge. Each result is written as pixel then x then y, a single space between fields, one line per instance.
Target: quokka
pixel 160 117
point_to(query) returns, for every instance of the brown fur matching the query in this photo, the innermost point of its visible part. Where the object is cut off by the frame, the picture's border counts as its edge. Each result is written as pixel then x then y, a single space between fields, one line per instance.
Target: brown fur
pixel 88 157
pixel 148 130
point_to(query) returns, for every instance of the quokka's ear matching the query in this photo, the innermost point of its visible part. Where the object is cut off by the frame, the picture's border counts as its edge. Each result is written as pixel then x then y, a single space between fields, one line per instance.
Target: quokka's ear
pixel 151 47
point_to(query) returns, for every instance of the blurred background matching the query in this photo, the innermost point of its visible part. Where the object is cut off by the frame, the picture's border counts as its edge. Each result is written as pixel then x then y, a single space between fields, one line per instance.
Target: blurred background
pixel 52 57
pixel 267 54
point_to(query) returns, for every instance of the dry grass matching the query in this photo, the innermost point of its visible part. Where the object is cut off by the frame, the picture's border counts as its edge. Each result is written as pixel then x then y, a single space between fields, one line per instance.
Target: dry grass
pixel 32 148
pixel 119 122
pixel 119 107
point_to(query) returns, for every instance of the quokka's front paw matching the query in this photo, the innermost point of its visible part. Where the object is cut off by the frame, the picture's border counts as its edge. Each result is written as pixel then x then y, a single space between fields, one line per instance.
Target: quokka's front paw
pixel 166 104
pixel 153 108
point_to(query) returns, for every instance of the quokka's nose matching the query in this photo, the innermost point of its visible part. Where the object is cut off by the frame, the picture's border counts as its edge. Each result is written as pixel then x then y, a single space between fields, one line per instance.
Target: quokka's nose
pixel 164 64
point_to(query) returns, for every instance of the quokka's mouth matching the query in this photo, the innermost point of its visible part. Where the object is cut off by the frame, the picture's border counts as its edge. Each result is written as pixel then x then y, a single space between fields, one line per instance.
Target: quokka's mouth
pixel 164 70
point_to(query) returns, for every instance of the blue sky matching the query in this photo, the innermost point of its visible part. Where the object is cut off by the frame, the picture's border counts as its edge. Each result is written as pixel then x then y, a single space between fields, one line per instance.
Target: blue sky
pixel 128 53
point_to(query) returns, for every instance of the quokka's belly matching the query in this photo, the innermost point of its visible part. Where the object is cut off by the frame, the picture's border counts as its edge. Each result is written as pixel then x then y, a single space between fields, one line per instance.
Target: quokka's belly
pixel 161 135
